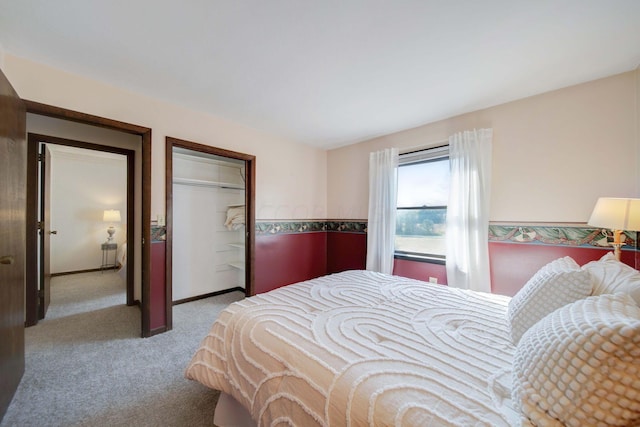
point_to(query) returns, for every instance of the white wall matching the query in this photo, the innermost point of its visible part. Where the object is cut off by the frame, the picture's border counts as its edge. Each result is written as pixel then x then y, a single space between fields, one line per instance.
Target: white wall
pixel 553 154
pixel 83 184
pixel 637 73
pixel 290 177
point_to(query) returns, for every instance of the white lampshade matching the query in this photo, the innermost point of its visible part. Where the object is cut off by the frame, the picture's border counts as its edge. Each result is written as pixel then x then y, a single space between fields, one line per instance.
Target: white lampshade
pixel 111 215
pixel 616 214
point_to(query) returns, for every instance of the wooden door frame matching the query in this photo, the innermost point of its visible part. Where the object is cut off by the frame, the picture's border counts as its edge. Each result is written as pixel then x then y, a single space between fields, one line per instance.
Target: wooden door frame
pixel 43 286
pixel 34 196
pixel 145 134
pixel 249 194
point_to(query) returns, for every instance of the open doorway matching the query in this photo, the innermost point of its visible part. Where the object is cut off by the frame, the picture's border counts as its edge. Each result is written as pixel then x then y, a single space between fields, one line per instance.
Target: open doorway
pixel 138 250
pixel 210 196
pixel 77 187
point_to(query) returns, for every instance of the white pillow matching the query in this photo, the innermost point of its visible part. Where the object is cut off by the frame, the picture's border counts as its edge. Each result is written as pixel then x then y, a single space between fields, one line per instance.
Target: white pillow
pixel 611 276
pixel 558 283
pixel 580 365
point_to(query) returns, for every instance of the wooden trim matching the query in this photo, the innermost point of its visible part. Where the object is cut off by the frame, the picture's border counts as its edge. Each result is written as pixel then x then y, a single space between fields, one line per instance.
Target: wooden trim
pixel 209 295
pixel 49 139
pixel 168 203
pixel 158 330
pixel 249 202
pixel 250 246
pixel 202 148
pixel 145 133
pixel 131 214
pixel 33 140
pixel 90 270
pixel 31 238
pixel 146 234
pixel 84 118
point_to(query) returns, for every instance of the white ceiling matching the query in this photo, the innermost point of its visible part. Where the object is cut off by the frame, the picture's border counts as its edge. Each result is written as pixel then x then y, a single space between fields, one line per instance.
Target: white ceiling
pixel 329 72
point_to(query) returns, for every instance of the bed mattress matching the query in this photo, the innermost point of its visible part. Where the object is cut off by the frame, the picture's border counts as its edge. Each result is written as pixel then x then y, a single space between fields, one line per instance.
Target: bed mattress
pixel 363 348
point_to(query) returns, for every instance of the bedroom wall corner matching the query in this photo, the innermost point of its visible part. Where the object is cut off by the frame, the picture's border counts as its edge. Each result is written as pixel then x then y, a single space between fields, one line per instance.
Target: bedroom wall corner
pixel 559 140
pixel 637 118
pixel 637 177
pixel 346 245
pixel 346 251
pixel 291 176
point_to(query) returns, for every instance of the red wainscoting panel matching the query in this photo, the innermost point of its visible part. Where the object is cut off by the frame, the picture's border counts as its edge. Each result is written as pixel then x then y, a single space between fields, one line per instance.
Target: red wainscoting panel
pixel 512 264
pixel 282 259
pixel 420 270
pixel 346 251
pixel 286 258
pixel 157 306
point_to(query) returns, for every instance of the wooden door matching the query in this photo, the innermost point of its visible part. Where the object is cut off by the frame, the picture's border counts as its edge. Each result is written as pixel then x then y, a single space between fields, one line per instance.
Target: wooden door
pixel 13 167
pixel 44 296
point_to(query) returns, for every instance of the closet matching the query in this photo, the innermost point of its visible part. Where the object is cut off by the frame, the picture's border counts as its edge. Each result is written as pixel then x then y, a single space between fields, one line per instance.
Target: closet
pixel 209 223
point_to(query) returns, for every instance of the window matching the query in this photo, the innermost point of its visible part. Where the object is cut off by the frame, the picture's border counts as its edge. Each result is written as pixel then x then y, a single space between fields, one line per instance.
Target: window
pixel 423 193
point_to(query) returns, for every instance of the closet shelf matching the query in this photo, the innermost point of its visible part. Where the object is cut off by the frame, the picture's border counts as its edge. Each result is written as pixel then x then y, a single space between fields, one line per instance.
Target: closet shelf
pixel 237 245
pixel 204 183
pixel 238 265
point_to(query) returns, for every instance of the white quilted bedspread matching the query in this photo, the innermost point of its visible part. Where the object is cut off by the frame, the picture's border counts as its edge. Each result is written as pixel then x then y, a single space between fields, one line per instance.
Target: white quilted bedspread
pixel 361 348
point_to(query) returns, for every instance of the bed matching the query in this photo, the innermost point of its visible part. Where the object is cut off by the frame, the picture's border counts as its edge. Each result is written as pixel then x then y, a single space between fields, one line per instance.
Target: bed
pixel 121 260
pixel 351 346
pixel 362 348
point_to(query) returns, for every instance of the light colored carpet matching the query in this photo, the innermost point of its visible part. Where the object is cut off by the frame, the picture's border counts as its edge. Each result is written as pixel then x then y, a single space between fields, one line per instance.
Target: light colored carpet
pixel 86 364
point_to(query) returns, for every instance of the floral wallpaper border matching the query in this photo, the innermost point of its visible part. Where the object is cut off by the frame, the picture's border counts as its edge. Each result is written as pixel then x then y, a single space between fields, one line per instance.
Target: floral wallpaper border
pixel 347 226
pixel 569 235
pixel 158 233
pixel 283 227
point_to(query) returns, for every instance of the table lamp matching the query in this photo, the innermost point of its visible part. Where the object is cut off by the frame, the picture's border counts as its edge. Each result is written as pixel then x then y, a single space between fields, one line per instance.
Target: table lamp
pixel 617 214
pixel 111 216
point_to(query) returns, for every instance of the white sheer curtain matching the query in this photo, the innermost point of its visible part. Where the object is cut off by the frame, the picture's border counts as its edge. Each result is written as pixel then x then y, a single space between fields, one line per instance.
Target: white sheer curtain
pixel 468 210
pixel 381 228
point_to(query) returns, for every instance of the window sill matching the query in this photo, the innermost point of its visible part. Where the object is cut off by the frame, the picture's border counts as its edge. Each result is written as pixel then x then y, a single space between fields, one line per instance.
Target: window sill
pixel 421 258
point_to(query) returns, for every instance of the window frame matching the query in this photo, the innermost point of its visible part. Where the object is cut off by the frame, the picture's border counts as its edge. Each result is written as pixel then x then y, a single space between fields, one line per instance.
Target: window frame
pixel 426 155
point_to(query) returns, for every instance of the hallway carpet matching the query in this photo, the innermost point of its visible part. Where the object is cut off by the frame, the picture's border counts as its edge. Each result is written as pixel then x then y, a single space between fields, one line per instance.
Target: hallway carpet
pixel 86 364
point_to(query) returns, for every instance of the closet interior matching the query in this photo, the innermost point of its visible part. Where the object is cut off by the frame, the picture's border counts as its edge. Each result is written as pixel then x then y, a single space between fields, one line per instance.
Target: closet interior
pixel 209 224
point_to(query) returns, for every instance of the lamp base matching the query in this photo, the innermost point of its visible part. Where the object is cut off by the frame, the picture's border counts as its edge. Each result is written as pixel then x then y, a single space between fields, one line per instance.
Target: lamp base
pixel 617 243
pixel 111 231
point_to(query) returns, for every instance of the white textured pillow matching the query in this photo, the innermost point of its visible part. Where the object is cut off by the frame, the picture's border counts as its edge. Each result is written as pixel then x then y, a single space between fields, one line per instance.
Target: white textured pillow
pixel 611 276
pixel 556 284
pixel 580 365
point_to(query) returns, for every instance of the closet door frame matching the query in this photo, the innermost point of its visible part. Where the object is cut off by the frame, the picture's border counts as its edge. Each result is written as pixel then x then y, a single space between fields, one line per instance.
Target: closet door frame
pixel 249 195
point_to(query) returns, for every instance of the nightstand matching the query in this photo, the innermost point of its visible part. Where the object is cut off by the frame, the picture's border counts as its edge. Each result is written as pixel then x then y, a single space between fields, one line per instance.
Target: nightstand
pixel 106 248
